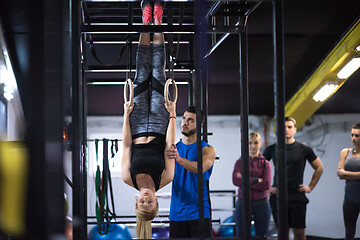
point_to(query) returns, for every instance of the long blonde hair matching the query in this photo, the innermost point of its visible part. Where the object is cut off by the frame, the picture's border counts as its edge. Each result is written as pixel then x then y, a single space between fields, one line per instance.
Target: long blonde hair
pixel 143 222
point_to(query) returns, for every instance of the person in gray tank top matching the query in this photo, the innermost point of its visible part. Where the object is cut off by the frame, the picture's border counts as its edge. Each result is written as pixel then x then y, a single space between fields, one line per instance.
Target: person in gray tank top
pixel 349 169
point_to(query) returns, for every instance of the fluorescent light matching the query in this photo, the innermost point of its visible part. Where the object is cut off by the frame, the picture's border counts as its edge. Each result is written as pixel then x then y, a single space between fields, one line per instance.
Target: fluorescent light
pixel 7 91
pixel 325 91
pixel 349 68
pixel 358 48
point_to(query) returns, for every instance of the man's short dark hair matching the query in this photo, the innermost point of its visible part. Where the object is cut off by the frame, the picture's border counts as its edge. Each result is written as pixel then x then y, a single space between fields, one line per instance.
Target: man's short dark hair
pixel 192 109
pixel 356 126
pixel 287 119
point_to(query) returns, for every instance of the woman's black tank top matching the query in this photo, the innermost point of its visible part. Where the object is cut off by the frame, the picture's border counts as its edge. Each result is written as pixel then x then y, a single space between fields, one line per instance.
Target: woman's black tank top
pixel 148 158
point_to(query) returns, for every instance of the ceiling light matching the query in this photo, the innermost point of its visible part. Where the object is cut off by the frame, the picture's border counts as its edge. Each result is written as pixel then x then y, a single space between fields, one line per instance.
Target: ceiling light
pixel 349 68
pixel 6 91
pixel 358 48
pixel 325 91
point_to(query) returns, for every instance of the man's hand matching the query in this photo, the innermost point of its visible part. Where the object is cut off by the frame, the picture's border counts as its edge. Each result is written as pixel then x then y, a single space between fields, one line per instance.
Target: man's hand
pixel 304 188
pixel 272 190
pixel 172 152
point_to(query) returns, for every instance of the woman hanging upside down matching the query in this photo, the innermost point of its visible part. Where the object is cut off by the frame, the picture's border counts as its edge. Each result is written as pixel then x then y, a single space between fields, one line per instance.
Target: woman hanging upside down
pixel 149 125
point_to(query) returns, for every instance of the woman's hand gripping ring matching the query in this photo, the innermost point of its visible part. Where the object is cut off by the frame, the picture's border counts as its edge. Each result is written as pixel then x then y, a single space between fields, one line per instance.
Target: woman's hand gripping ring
pixel 129 85
pixel 166 91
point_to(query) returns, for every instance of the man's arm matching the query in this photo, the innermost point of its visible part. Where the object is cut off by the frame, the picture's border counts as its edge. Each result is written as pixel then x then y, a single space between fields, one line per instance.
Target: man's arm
pixel 208 157
pixel 318 167
pixel 267 154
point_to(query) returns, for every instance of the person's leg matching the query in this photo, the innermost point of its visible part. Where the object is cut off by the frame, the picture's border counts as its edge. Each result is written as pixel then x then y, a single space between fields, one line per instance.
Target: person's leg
pixel 238 218
pixel 139 115
pixel 350 214
pixel 297 221
pixel 262 219
pixel 158 12
pixel 299 233
pixel 159 116
pixel 179 229
pixel 273 205
pixel 193 227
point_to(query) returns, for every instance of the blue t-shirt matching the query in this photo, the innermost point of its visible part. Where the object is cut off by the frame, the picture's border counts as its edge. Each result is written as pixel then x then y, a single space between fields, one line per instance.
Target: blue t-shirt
pixel 184 197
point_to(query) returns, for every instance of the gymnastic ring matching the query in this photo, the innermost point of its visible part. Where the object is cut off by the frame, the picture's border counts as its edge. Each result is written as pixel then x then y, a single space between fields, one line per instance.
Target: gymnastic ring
pixel 129 85
pixel 166 91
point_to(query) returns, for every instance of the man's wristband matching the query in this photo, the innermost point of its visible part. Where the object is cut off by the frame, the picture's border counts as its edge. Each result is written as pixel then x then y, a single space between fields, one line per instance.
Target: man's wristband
pixel 172 117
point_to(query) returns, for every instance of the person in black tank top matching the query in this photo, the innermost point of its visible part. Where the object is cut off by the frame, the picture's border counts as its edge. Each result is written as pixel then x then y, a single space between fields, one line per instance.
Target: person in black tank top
pixel 149 125
pixel 349 169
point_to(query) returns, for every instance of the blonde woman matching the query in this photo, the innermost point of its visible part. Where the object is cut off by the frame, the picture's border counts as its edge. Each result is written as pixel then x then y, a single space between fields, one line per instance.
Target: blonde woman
pixel 260 180
pixel 149 125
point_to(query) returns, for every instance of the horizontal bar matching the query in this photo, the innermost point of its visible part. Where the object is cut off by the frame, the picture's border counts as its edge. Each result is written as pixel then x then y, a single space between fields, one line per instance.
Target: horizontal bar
pixel 175 1
pixel 123 83
pixel 128 216
pixel 111 29
pixel 104 70
pixel 131 29
pixel 133 42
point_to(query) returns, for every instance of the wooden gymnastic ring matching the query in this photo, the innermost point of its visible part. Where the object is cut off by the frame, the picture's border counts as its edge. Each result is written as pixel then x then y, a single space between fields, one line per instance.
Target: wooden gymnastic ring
pixel 166 91
pixel 129 85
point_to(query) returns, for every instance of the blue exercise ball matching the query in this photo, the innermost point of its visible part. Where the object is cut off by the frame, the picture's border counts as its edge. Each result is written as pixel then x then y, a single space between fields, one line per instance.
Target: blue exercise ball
pixel 115 231
pixel 160 233
pixel 227 230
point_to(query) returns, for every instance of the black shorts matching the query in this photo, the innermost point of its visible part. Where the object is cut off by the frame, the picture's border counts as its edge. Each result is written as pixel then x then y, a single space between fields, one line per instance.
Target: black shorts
pixel 297 216
pixel 189 229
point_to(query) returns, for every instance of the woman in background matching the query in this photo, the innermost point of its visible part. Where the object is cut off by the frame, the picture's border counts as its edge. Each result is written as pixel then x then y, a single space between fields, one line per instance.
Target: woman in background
pixel 349 169
pixel 260 180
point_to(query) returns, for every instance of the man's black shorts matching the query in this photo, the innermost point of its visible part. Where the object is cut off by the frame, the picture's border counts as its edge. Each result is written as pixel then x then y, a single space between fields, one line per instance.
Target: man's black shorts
pixel 189 229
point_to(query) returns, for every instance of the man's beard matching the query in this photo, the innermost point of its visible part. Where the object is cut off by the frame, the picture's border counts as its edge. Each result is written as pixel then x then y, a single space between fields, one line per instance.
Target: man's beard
pixel 190 133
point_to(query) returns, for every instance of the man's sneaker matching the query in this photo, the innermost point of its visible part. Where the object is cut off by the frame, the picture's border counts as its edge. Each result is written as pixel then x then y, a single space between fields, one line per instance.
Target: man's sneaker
pixel 158 10
pixel 146 7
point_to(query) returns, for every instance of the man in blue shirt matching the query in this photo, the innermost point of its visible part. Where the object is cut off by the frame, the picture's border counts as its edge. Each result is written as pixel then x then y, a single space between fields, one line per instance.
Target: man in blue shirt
pixel 184 208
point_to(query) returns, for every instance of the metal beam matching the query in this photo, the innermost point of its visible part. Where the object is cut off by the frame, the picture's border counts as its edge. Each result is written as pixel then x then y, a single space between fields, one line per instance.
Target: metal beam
pixel 178 29
pixel 279 90
pixel 301 105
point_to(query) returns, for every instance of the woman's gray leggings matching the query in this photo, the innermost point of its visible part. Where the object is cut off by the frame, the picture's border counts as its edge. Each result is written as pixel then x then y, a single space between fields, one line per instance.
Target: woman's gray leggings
pixel 149 116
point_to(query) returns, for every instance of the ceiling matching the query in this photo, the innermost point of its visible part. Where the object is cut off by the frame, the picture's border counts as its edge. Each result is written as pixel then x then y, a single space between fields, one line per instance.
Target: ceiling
pixel 311 29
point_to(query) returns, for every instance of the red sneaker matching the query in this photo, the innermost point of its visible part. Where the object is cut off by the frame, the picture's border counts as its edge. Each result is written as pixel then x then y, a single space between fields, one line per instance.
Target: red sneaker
pixel 158 10
pixel 146 8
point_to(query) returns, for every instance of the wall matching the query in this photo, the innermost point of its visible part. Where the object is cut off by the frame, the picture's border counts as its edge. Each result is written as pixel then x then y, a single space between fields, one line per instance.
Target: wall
pixel 326 134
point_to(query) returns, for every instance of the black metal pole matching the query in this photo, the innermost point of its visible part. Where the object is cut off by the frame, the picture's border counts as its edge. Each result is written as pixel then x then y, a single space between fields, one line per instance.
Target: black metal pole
pixel 205 100
pixel 279 93
pixel 84 160
pixel 200 66
pixel 78 211
pixel 191 88
pixel 244 113
pixel 54 75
